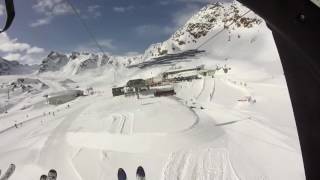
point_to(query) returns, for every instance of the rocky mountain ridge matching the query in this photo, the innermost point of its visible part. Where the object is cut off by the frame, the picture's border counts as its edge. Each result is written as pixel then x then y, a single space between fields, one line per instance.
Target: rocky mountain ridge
pixel 14 67
pixel 198 29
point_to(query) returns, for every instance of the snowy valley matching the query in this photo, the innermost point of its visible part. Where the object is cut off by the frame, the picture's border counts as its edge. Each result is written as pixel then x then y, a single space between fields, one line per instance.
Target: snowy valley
pixel 232 125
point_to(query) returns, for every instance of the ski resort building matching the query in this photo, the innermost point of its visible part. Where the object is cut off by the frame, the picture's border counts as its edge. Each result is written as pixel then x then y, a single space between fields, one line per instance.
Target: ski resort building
pixel 137 83
pixel 208 72
pixel 164 91
pixel 155 84
pixel 63 96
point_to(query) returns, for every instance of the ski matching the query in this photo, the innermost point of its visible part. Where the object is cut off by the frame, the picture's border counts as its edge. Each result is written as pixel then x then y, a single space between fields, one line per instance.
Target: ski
pixel 9 172
pixel 141 175
pixel 43 177
pixel 122 174
pixel 52 175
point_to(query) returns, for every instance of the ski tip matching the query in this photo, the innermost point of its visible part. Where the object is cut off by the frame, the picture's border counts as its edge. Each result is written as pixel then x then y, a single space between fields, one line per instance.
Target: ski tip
pixel 122 174
pixel 53 171
pixel 13 166
pixel 52 175
pixel 9 172
pixel 140 172
pixel 43 177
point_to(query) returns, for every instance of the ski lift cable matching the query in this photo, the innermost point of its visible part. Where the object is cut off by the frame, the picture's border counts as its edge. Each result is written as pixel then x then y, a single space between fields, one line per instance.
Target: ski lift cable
pixel 224 28
pixel 86 27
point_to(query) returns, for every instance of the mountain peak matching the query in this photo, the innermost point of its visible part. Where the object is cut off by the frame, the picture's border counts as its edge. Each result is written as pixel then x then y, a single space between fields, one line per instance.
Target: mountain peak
pixel 210 20
pixel 14 67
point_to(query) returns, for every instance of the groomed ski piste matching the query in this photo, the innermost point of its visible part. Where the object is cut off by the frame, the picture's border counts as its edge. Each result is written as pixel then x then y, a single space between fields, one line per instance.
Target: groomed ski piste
pixel 204 132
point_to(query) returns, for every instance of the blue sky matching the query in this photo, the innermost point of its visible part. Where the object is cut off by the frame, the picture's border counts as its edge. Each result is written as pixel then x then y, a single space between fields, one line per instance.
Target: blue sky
pixel 120 26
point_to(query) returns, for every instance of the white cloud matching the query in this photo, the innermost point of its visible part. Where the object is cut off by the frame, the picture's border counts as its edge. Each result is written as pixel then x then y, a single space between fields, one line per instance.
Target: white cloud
pixel 35 50
pixel 93 8
pixel 12 49
pixel 11 45
pixel 12 56
pixel 34 58
pixel 61 9
pixel 50 9
pixel 122 9
pixel 94 11
pixel 40 22
pixel 106 44
pixel 23 58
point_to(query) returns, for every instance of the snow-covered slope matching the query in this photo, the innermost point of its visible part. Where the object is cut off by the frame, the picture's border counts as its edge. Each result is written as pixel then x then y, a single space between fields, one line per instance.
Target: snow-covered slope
pixel 209 20
pixel 235 125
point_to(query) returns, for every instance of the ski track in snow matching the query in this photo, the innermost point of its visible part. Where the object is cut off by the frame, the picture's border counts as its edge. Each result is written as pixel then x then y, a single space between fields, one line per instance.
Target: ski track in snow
pixel 204 164
pixel 185 157
pixel 56 145
pixel 122 124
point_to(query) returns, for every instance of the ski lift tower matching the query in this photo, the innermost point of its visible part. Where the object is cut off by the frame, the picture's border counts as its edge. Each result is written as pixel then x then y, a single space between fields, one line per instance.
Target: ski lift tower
pixel 7 102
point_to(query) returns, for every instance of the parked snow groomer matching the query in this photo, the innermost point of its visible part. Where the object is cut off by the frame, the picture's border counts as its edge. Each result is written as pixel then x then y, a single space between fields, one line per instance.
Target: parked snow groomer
pixel 118 91
pixel 164 91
